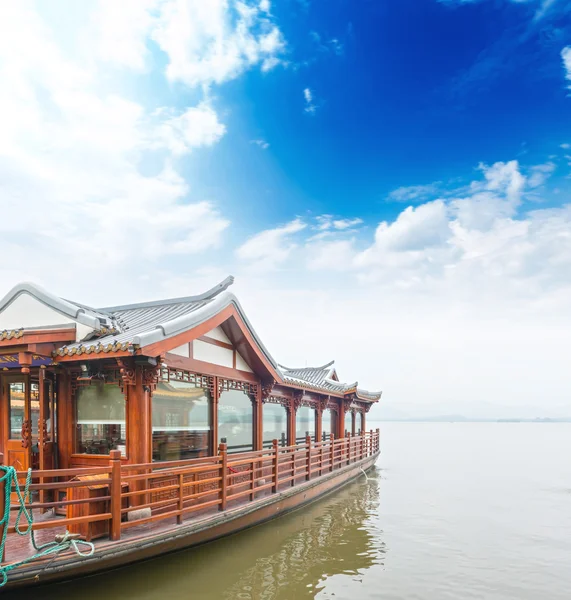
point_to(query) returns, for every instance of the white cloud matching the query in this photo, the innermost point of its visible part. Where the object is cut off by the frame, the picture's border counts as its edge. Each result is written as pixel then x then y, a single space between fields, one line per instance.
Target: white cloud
pixel 413 193
pixel 216 41
pixel 71 153
pixel 310 106
pixel 121 31
pixel 566 56
pixel 262 143
pixel 565 146
pixel 335 256
pixel 328 222
pixel 271 247
pixel 539 174
pixel 197 126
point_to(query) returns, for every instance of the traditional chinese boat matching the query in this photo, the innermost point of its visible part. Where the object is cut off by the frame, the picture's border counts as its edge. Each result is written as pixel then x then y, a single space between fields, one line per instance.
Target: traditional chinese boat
pixel 151 427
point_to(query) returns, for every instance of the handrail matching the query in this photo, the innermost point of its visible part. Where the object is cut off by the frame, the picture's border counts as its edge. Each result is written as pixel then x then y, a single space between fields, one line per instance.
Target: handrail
pixel 118 496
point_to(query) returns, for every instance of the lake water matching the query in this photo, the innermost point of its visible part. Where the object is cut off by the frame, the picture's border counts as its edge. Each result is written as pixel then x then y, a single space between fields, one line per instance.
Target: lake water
pixel 453 510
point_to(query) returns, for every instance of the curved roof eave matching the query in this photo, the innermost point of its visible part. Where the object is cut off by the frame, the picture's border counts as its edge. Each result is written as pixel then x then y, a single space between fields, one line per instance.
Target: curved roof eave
pixel 323 367
pixel 77 313
pixel 185 322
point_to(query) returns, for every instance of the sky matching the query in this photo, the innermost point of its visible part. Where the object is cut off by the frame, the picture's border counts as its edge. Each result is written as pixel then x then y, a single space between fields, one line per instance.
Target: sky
pixel 389 182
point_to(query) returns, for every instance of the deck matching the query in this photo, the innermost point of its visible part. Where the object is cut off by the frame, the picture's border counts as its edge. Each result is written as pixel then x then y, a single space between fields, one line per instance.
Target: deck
pixel 122 506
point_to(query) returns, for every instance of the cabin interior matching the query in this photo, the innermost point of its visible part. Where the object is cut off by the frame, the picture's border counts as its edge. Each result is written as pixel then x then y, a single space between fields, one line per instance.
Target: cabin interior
pixel 158 381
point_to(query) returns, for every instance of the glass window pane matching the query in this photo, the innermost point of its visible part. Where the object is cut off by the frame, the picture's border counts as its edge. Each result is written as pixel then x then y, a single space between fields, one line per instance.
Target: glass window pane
pixel 181 421
pixel 275 423
pixel 100 419
pixel 304 422
pixel 236 420
pixel 17 391
pixel 328 423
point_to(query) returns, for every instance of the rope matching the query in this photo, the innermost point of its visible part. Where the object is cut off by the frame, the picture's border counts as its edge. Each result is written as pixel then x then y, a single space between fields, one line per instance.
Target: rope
pixel 10 479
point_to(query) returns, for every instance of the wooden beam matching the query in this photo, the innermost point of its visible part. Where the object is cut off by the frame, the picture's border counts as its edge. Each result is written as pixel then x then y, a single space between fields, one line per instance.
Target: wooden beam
pixel 199 366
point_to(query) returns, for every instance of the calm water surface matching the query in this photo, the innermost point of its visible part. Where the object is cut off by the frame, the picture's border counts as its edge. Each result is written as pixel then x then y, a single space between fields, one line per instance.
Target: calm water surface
pixel 456 511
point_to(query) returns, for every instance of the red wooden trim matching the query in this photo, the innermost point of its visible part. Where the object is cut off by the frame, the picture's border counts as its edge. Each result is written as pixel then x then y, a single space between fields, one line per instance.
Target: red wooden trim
pixel 199 366
pixel 230 311
pixel 38 336
pixel 209 340
pixel 234 359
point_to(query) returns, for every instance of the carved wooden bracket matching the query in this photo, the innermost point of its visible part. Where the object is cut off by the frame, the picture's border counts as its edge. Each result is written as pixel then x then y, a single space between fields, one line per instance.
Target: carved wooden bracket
pixel 127 374
pixel 151 377
pixel 26 434
pixel 267 390
pixel 297 398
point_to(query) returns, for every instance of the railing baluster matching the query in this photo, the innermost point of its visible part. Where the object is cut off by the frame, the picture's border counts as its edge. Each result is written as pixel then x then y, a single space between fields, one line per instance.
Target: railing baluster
pixel 332 442
pixel 115 464
pixel 180 498
pixel 308 446
pixel 276 465
pixel 222 451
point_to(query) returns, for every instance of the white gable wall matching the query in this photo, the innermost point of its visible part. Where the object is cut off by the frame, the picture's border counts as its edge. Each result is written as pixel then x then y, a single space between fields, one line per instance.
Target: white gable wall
pixel 218 334
pixel 212 354
pixel 29 313
pixel 241 364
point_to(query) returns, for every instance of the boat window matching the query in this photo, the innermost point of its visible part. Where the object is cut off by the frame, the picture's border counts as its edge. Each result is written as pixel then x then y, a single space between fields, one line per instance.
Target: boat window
pixel 35 409
pixel 328 423
pixel 181 421
pixel 274 423
pixel 100 419
pixel 236 420
pixel 304 424
pixel 16 407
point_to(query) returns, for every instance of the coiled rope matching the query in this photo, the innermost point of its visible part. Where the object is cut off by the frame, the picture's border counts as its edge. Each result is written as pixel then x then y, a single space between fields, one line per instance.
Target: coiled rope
pixel 67 541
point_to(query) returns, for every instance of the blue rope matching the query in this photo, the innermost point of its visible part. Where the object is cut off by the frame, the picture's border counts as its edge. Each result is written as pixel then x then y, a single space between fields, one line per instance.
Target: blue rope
pixel 10 479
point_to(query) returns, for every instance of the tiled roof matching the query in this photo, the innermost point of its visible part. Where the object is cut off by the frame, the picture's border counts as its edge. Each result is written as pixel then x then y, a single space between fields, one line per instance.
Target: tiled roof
pixel 144 323
pixel 320 379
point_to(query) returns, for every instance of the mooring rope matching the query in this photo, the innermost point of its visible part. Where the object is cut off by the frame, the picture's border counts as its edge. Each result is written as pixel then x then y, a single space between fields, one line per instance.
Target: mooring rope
pixel 67 541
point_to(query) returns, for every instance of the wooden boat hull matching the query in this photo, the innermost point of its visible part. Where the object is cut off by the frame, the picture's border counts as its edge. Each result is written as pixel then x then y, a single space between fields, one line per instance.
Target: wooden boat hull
pixel 116 554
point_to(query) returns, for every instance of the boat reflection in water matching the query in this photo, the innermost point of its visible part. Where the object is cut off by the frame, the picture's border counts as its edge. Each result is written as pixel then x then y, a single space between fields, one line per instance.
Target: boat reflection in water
pixel 325 546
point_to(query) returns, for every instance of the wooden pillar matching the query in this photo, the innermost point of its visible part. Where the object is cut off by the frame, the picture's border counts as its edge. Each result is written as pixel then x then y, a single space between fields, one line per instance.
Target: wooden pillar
pixel 214 416
pixel 291 432
pixel 319 424
pixel 138 398
pixel 115 488
pixel 65 420
pixel 2 507
pixel 363 422
pixel 353 422
pixel 341 423
pixel 258 420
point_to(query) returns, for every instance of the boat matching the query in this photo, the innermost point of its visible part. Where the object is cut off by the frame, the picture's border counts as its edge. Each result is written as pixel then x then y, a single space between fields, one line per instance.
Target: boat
pixel 130 431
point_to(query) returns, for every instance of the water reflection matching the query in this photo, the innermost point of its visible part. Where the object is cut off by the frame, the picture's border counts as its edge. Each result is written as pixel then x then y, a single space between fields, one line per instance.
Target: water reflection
pixel 291 557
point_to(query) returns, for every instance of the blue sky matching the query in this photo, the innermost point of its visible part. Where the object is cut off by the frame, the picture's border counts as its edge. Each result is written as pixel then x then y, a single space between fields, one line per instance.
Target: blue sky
pixel 388 181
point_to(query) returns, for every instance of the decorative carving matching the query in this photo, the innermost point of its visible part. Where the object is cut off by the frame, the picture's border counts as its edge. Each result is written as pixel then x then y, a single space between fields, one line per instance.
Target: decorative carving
pixel 26 434
pixel 203 381
pixel 151 377
pixel 44 433
pixel 285 402
pixel 297 398
pixel 243 386
pixel 127 373
pixel 267 390
pixel 347 404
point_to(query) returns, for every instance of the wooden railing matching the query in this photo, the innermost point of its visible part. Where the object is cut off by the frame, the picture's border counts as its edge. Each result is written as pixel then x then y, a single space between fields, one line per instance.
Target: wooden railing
pixel 106 501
